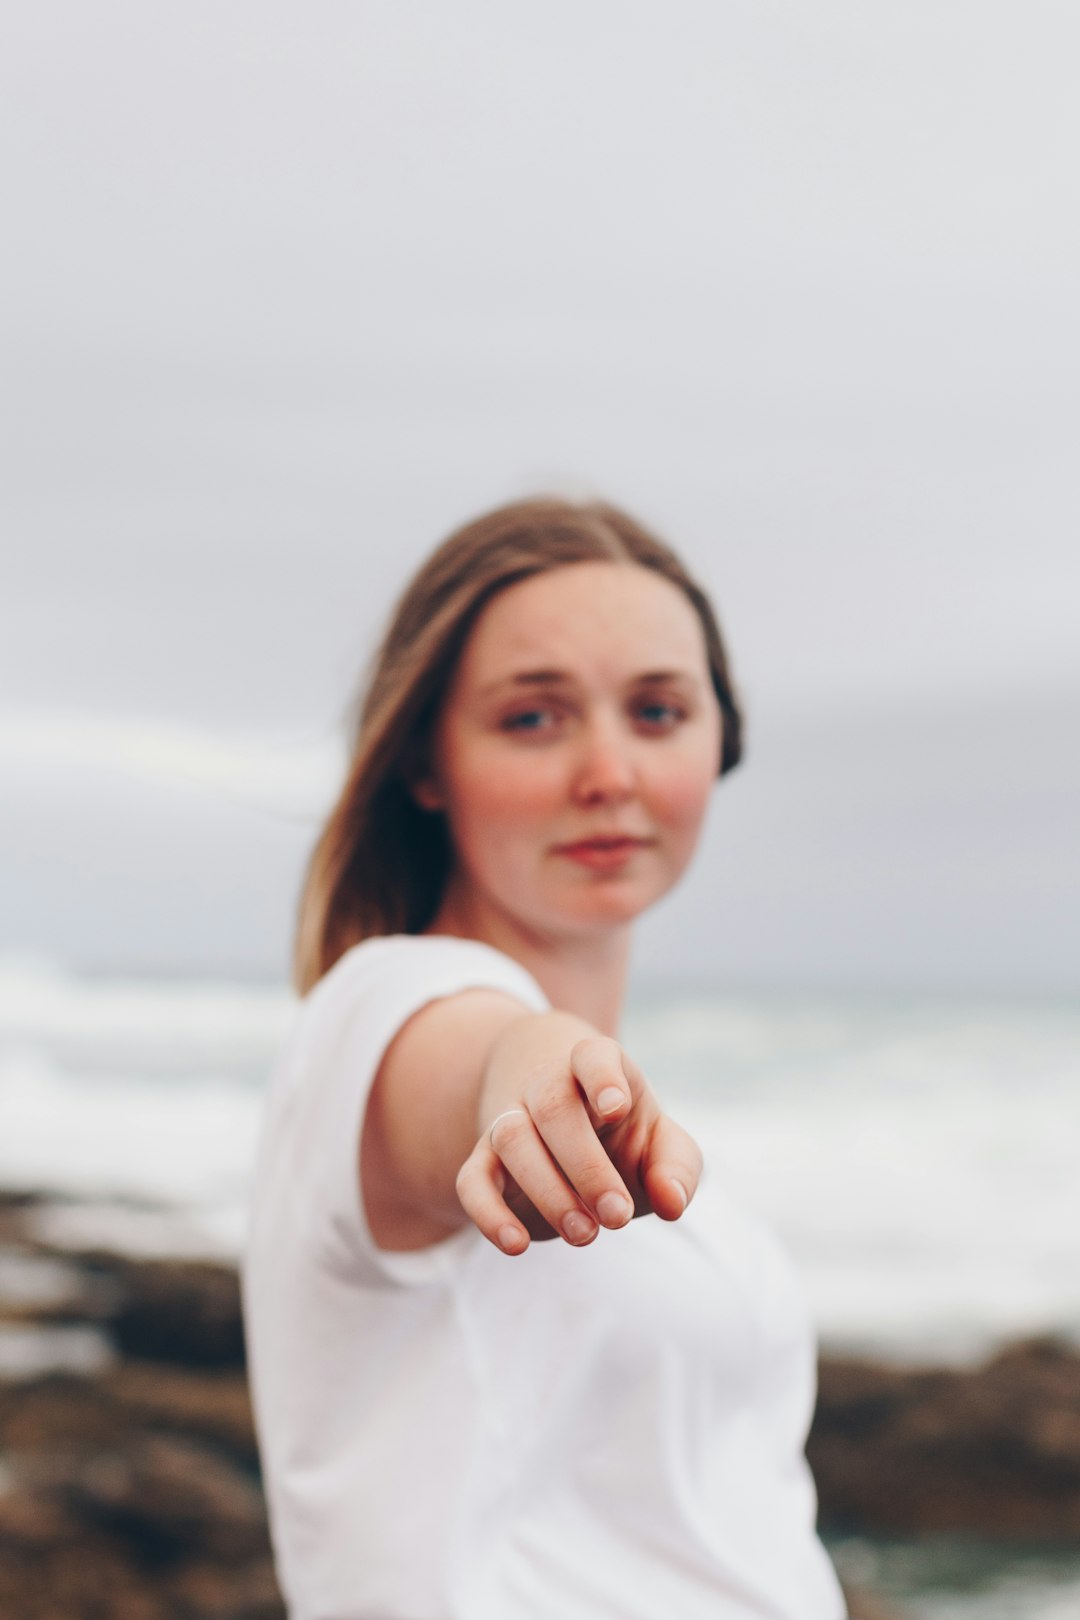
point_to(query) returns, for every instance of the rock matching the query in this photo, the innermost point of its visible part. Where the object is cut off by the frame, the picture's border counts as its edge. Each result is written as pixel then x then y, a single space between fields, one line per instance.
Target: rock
pixel 991 1451
pixel 864 1605
pixel 30 1526
pixel 133 1494
pixel 63 1412
pixel 15 1208
pixel 207 1591
pixel 141 1481
pixel 214 1407
pixel 78 1579
pixel 152 1527
pixel 185 1312
pixel 166 1498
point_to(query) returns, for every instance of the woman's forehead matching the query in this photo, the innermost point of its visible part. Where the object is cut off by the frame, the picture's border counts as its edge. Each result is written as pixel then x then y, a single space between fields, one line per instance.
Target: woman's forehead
pixel 585 614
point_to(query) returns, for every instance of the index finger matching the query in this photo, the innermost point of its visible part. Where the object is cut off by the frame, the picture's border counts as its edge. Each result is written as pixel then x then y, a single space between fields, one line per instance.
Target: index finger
pixel 611 1081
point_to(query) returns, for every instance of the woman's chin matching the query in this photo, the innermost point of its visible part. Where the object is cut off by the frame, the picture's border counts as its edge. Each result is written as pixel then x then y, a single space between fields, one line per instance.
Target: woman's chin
pixel 610 905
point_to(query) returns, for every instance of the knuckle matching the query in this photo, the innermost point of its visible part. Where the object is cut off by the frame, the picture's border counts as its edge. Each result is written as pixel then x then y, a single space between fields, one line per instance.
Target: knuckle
pixel 464 1181
pixel 602 1187
pixel 593 1049
pixel 592 1178
pixel 508 1129
pixel 552 1107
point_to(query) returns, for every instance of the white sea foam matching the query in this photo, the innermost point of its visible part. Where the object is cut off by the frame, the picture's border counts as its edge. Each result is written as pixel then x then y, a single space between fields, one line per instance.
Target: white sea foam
pixel 918 1160
pixel 26 1352
pixel 186 1141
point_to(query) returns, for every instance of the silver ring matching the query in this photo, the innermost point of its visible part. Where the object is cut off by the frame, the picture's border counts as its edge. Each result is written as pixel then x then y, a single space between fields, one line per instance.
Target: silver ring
pixel 504 1115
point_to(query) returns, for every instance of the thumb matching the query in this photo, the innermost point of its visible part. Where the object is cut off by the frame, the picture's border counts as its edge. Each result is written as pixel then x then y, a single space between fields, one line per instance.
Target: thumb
pixel 670 1168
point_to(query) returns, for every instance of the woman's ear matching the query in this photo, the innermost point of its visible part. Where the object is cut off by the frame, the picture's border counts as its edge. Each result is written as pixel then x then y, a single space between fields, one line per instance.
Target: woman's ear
pixel 420 776
pixel 426 793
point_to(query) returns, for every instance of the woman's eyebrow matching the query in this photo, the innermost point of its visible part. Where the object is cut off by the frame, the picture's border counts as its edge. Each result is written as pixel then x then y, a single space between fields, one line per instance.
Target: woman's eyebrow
pixel 559 677
pixel 657 676
pixel 525 677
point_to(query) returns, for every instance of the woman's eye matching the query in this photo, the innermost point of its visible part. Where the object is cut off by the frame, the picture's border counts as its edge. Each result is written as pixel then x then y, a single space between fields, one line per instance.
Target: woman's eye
pixel 539 721
pixel 530 720
pixel 660 714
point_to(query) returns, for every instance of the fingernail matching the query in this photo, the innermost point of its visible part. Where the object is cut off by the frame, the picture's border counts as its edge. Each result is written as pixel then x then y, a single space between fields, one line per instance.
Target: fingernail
pixel 681 1190
pixel 609 1100
pixel 613 1209
pixel 511 1239
pixel 578 1228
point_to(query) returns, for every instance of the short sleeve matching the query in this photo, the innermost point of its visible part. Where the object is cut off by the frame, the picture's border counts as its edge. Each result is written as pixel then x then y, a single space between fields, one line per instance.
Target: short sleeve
pixel 345 1026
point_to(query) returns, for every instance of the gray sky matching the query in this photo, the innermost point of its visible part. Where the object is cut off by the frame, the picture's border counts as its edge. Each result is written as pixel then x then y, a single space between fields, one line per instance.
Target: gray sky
pixel 289 293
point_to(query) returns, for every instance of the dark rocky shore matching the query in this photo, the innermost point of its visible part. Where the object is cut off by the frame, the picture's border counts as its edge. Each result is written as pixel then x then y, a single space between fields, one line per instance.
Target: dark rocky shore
pixel 130 1490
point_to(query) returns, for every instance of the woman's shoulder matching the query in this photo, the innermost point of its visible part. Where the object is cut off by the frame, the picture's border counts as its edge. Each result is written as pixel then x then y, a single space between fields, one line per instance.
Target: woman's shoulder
pixel 406 970
pixel 385 956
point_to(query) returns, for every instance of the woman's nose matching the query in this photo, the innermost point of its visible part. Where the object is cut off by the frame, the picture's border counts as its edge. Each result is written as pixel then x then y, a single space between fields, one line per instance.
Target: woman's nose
pixel 605 768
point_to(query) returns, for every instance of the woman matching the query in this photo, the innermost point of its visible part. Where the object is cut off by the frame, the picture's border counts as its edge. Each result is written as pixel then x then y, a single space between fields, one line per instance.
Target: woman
pixel 458 1418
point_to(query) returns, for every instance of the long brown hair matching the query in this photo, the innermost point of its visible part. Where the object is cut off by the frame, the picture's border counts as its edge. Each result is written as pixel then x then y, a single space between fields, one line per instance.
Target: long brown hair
pixel 381 861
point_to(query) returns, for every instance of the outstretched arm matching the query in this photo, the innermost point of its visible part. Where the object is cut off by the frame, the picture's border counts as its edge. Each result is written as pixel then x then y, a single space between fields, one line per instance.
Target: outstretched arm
pixel 528 1124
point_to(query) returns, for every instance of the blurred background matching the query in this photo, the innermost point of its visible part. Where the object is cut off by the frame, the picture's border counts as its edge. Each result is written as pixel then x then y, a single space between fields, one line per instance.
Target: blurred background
pixel 289 295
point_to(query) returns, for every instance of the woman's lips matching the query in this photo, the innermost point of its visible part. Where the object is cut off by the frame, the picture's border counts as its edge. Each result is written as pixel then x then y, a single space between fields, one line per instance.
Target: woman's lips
pixel 603 854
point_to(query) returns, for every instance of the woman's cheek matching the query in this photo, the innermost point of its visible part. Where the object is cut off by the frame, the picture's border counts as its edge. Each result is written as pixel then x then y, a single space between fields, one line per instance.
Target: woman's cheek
pixel 684 797
pixel 504 789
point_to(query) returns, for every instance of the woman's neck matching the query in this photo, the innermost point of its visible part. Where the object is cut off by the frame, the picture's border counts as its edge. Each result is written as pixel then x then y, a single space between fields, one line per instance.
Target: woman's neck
pixel 579 973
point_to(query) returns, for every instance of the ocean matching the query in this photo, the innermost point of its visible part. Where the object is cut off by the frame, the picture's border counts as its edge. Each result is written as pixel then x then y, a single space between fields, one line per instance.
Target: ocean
pixel 917 1154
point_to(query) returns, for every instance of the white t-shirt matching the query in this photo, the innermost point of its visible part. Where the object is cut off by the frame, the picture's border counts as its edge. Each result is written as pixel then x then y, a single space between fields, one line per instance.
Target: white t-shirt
pixel 608 1433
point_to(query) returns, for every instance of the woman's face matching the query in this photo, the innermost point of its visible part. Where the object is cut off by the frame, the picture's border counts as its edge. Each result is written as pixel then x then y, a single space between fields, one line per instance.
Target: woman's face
pixel 575 752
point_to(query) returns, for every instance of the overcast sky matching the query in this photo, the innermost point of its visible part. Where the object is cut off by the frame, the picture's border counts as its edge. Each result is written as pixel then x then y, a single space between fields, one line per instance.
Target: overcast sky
pixel 290 292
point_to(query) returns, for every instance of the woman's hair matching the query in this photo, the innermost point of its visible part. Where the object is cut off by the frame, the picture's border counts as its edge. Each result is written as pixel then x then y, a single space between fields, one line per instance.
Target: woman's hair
pixel 381 861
